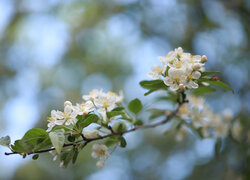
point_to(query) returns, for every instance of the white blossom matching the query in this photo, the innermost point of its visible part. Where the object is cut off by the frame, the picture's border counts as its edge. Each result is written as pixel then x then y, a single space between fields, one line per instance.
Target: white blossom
pixel 174 78
pixel 84 108
pixel 157 71
pixel 100 151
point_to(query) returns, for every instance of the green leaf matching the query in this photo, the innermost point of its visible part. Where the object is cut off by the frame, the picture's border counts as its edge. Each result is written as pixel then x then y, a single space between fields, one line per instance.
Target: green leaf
pixel 209 73
pixel 170 97
pixel 149 92
pixel 75 155
pixel 218 83
pixel 119 127
pixel 114 113
pixel 118 109
pixel 135 106
pixel 156 113
pixel 138 123
pixel 67 156
pixel 57 138
pixel 123 142
pixel 71 138
pixel 5 141
pixel 111 141
pixel 61 127
pixel 203 90
pixel 154 84
pixel 35 157
pixel 218 146
pixel 91 118
pixel 33 140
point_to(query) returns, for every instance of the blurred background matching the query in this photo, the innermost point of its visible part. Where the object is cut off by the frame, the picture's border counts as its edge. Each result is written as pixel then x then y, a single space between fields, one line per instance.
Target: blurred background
pixel 57 50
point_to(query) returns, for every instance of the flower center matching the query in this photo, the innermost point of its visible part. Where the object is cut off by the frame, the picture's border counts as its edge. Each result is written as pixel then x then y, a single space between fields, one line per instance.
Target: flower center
pixel 176 80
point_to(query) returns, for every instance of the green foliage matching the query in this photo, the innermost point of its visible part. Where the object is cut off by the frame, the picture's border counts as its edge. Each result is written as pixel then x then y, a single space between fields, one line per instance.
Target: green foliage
pixel 67 155
pixel 123 142
pixel 33 140
pixel 119 127
pixel 5 141
pixel 203 90
pixel 217 83
pixel 153 85
pixel 114 113
pixel 207 73
pixel 156 113
pixel 35 157
pixel 85 121
pixel 57 138
pixel 170 97
pixel 135 106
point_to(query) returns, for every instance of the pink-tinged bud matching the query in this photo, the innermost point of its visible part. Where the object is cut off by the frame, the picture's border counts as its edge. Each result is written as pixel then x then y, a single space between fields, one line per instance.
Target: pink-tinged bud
pixel 204 59
pixel 196 67
pixel 182 86
pixel 215 78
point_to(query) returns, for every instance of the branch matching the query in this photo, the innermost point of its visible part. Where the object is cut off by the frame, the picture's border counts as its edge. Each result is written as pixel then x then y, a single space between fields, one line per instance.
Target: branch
pixel 181 100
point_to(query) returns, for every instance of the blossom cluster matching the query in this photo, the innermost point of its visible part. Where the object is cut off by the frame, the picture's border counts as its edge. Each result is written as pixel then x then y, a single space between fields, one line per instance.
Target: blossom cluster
pixel 180 70
pixel 196 114
pixel 96 99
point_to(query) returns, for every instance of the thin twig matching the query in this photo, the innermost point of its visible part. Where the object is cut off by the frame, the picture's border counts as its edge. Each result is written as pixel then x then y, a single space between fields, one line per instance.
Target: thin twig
pixel 85 140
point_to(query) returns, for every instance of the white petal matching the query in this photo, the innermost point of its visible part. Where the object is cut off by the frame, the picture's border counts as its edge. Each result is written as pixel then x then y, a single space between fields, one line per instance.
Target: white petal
pixel 174 87
pixel 196 75
pixel 168 81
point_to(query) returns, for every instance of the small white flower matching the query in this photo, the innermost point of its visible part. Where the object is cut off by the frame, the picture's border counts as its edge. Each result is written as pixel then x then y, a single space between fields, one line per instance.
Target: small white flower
pixel 100 151
pixel 92 95
pixel 157 71
pixel 174 78
pixel 84 108
pixel 56 118
pixel 191 76
pixel 69 115
pixel 107 101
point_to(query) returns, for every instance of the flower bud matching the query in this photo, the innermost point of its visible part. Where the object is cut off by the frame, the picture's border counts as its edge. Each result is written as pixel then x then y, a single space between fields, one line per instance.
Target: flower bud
pixel 182 86
pixel 215 78
pixel 67 103
pixel 62 165
pixel 203 59
pixel 196 66
pixel 119 127
pixel 90 134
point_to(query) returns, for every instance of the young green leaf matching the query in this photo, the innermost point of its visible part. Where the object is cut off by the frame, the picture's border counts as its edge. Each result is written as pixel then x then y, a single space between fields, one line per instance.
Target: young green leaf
pixel 67 156
pixel 218 83
pixel 57 138
pixel 203 90
pixel 156 113
pixel 154 84
pixel 33 140
pixel 209 73
pixel 114 113
pixel 35 157
pixel 5 141
pixel 135 106
pixel 118 109
pixel 123 142
pixel 91 118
